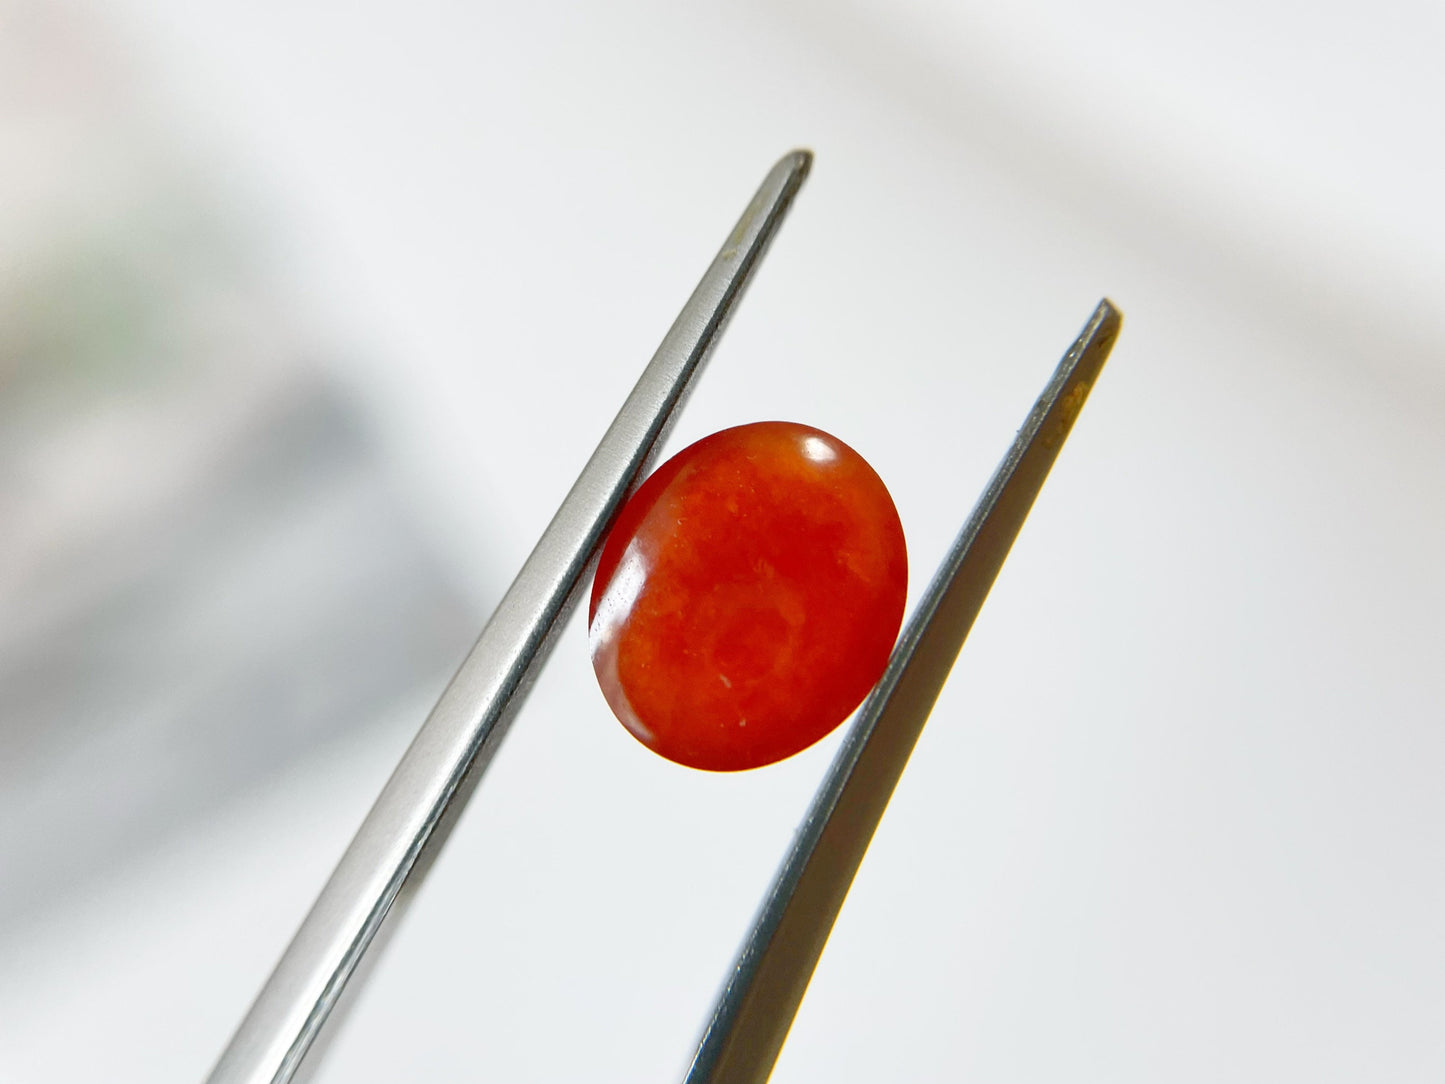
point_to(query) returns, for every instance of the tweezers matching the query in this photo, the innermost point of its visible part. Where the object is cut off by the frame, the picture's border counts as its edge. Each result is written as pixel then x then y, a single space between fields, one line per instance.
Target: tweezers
pixel 432 783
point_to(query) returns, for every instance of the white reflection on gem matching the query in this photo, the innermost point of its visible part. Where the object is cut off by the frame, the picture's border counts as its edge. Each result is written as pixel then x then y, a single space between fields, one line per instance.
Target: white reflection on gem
pixel 817 449
pixel 618 598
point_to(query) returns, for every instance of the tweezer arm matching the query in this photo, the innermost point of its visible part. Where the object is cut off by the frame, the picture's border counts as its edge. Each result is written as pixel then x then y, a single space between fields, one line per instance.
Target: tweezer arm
pixel 436 774
pixel 756 1008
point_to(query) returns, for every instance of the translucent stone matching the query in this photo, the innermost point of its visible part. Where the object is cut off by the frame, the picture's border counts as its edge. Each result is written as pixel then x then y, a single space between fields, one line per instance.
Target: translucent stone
pixel 748 596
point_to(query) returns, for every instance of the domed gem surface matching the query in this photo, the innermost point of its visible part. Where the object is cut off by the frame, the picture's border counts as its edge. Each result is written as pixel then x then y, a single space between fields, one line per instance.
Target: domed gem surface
pixel 748 596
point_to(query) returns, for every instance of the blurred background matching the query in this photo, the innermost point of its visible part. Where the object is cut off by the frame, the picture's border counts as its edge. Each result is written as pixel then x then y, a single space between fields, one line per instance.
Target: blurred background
pixel 310 313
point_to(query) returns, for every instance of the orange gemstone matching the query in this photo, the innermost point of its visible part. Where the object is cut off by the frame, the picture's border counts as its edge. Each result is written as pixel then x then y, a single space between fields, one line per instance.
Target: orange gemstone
pixel 748 596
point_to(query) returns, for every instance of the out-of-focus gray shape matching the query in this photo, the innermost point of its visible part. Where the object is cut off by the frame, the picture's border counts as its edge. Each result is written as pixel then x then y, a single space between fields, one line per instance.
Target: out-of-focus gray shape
pixel 203 566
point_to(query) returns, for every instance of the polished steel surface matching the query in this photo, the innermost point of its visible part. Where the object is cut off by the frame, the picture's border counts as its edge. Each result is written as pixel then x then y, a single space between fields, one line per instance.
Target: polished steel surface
pixel 756 1008
pixel 410 818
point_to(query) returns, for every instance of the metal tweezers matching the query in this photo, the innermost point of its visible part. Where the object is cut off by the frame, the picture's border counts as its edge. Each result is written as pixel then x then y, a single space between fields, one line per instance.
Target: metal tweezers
pixel 412 817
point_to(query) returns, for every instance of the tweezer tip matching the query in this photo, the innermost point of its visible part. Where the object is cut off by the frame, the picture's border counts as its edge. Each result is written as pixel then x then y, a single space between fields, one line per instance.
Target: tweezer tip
pixel 799 161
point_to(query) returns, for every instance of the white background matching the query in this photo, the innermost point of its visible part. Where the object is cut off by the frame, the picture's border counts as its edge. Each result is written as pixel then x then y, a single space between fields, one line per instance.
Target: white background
pixel 1178 814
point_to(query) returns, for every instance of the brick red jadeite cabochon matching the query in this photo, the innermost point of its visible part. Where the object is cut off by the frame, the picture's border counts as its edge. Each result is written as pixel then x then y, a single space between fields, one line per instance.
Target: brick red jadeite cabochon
pixel 748 596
